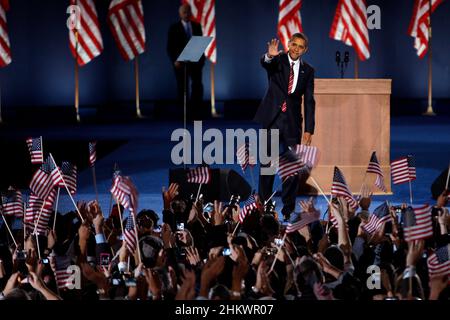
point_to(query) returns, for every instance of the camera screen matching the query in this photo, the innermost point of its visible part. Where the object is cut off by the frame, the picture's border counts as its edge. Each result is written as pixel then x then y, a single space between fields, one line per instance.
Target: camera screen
pixel 226 252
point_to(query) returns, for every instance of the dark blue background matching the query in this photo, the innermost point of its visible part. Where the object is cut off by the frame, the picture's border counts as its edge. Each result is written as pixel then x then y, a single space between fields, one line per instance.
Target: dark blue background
pixel 42 72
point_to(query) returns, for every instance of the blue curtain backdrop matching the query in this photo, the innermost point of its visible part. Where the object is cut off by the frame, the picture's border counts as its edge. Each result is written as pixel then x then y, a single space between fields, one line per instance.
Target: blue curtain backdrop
pixel 42 72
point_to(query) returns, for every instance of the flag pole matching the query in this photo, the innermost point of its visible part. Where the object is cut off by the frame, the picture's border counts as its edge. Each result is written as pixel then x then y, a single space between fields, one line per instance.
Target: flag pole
pixel 23 222
pixel 198 192
pixel 67 189
pixel 279 249
pixel 448 176
pixel 77 86
pixel 39 217
pixel 9 230
pixel 356 66
pixel 120 216
pixel 37 245
pixel 213 92
pixel 95 181
pixel 252 177
pixel 430 111
pixel 56 209
pixel 410 193
pixel 136 79
pixel 320 189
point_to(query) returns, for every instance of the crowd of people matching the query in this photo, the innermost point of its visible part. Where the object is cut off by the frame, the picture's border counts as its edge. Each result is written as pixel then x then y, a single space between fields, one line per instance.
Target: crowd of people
pixel 201 251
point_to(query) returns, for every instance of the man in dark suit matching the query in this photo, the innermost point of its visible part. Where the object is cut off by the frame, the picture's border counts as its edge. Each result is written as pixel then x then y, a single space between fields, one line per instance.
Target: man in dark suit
pixel 179 35
pixel 290 78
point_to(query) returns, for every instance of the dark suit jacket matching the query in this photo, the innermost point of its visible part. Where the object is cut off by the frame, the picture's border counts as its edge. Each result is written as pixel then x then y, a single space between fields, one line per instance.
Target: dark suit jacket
pixel 177 39
pixel 269 112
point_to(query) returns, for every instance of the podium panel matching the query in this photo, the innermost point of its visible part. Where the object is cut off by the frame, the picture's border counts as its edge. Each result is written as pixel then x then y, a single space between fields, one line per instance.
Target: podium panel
pixel 352 121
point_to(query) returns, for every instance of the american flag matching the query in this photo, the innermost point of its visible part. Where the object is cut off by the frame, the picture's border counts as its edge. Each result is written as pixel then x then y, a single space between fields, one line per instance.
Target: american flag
pixel 90 42
pixel 340 188
pixel 12 203
pixel 290 165
pixel 289 20
pixel 374 167
pixel 249 205
pixel 62 275
pixel 439 263
pixel 204 12
pixel 244 158
pixel 302 220
pixel 5 47
pixel 35 205
pixel 92 153
pixel 41 183
pixel 69 173
pixel 55 173
pixel 418 26
pixel 350 26
pixel 130 234
pixel 35 148
pixel 126 20
pixel 403 170
pixel 125 192
pixel 199 175
pixel 379 216
pixel 308 154
pixel 417 223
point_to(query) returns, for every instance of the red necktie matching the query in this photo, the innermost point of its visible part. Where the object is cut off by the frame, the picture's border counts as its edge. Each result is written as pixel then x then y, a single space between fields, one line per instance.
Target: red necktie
pixel 291 82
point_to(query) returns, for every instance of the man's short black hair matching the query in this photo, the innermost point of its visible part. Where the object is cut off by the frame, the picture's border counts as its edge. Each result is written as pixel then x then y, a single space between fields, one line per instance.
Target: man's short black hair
pixel 300 35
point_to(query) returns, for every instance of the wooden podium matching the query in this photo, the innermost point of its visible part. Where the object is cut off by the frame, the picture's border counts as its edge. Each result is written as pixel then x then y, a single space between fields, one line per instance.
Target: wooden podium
pixel 352 120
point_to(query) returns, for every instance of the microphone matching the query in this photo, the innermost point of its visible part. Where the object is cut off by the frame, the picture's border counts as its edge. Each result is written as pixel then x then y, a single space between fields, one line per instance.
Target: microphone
pixel 346 58
pixel 338 58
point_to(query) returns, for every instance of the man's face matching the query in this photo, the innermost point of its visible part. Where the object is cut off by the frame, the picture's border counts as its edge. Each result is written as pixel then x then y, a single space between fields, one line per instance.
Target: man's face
pixel 297 47
pixel 185 12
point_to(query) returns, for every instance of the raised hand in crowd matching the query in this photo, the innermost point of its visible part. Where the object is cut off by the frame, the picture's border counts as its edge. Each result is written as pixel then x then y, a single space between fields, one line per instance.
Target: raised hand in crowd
pixel 366 198
pixel 211 270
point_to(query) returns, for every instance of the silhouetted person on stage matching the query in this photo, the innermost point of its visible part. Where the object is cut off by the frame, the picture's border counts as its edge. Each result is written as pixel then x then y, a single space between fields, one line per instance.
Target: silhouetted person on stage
pixel 290 78
pixel 179 35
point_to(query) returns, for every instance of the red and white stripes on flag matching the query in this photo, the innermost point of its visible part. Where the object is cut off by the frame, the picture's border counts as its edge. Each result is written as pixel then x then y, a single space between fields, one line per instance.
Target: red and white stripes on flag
pixel 339 188
pixel 249 205
pixel 130 234
pixel 35 205
pixel 35 148
pixel 89 43
pixel 125 192
pixel 374 167
pixel 290 165
pixel 418 26
pixel 244 158
pixel 305 218
pixel 199 175
pixel 41 183
pixel 350 26
pixel 403 170
pixel 12 203
pixel 417 223
pixel 204 12
pixel 69 174
pixel 92 153
pixel 126 20
pixel 308 154
pixel 5 47
pixel 439 263
pixel 289 20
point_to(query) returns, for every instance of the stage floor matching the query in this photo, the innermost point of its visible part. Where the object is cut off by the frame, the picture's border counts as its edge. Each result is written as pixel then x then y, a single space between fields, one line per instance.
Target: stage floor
pixel 142 149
